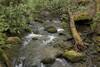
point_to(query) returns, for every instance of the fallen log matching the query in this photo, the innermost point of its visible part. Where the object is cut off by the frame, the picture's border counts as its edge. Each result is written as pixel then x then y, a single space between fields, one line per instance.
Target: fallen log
pixel 79 44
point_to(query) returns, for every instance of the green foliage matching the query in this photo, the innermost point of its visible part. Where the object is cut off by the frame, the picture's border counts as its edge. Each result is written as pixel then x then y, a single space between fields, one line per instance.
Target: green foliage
pixel 96 20
pixel 14 18
pixel 2 39
pixel 8 2
pixel 59 7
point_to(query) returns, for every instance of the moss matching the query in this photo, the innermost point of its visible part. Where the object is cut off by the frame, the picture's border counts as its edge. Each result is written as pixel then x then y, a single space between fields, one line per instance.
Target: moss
pixel 82 16
pixel 2 38
pixel 73 56
pixel 51 29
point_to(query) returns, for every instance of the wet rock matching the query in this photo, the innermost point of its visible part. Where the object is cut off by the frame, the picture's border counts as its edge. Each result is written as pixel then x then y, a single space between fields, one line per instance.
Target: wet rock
pixel 73 56
pixel 63 45
pixel 13 40
pixel 61 63
pixel 49 54
pixel 60 31
pixel 51 29
pixel 34 38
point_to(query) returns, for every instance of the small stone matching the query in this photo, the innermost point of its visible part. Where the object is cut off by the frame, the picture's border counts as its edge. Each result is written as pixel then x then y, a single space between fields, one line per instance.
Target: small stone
pixel 51 29
pixel 34 38
pixel 73 56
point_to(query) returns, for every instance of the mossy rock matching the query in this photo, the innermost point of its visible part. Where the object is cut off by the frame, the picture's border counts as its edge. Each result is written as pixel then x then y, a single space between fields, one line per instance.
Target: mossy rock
pixel 13 40
pixel 73 56
pixel 82 16
pixel 51 29
pixel 49 54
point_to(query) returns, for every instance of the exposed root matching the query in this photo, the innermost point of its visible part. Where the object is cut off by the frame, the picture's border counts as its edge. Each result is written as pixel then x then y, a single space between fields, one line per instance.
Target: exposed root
pixel 79 44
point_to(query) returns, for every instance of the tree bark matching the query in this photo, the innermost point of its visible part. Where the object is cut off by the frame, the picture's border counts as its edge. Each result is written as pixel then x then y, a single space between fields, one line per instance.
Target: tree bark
pixel 79 44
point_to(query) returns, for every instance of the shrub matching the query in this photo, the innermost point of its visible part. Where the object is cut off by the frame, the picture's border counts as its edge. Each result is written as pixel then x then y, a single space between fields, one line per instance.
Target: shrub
pixel 14 18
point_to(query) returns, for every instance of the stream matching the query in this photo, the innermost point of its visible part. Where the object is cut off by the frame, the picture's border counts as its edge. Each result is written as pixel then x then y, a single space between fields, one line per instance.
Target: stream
pixel 40 48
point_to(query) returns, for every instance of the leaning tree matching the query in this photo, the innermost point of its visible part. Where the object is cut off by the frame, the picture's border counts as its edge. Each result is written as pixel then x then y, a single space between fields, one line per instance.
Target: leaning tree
pixel 76 9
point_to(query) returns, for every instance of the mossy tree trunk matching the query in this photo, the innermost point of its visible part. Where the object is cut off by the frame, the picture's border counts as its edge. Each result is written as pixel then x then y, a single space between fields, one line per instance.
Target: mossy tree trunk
pixel 79 44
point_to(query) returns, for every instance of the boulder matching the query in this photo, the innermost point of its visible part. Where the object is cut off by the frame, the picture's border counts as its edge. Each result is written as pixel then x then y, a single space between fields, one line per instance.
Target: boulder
pixel 51 29
pixel 13 40
pixel 49 55
pixel 73 55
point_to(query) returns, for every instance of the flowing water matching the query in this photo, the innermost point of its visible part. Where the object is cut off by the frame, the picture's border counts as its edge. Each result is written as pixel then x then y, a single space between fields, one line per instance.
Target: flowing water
pixel 34 46
pixel 39 45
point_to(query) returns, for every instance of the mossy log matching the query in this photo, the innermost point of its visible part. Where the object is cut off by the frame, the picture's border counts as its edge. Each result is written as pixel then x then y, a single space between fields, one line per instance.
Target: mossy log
pixel 79 44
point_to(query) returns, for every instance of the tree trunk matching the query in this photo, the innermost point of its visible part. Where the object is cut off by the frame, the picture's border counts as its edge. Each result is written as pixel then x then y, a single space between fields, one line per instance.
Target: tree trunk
pixel 79 44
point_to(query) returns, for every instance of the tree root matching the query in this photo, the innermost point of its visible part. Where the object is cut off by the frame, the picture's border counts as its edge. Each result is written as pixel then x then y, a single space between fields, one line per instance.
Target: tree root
pixel 79 44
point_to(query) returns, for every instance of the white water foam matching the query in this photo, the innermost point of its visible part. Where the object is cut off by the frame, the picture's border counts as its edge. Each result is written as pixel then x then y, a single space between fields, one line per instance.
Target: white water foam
pixel 60 30
pixel 42 65
pixel 63 62
pixel 51 38
pixel 29 37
